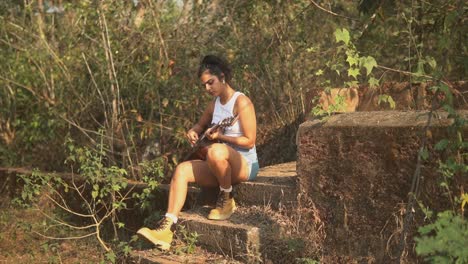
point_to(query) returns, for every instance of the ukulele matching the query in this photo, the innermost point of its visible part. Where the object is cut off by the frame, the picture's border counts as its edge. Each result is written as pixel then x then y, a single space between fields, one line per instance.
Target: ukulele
pixel 200 148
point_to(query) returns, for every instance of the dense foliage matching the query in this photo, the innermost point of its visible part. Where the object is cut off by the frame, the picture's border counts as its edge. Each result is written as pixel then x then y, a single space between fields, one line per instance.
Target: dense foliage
pixel 119 77
pixel 127 73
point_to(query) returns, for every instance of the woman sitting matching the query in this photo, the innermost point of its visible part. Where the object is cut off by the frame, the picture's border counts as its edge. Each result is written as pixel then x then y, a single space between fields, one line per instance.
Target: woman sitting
pixel 230 161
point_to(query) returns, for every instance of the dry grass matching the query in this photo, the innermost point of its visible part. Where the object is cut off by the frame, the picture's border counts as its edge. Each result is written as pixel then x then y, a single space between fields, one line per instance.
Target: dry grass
pixel 288 235
pixel 19 243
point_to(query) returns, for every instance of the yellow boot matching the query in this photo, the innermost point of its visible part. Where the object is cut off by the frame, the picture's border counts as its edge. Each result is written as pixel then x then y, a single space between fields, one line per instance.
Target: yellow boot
pixel 162 235
pixel 225 206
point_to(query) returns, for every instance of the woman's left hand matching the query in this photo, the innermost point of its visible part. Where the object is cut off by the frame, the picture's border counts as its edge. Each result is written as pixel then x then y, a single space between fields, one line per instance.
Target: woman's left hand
pixel 213 134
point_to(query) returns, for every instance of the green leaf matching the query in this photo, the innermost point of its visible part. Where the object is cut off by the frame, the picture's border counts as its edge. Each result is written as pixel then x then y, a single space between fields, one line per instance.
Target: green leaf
pixel 352 58
pixel 373 82
pixel 386 99
pixel 420 69
pixel 319 72
pixel 111 256
pixel 431 61
pixel 447 92
pixel 424 154
pixel 312 49
pixel 391 102
pixel 352 84
pixel 369 63
pixel 342 35
pixel 441 145
pixel 94 194
pixel 445 240
pixel 354 72
pixel 165 102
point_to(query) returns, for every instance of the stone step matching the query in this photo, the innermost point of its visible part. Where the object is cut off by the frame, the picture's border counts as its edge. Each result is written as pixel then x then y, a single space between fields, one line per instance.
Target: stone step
pixel 252 235
pixel 274 186
pixel 158 257
pixel 246 233
pixel 230 238
pixel 249 233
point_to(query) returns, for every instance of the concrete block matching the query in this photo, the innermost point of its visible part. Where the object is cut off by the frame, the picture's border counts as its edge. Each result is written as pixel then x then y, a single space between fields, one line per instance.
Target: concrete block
pixel 275 186
pixel 225 237
pixel 357 168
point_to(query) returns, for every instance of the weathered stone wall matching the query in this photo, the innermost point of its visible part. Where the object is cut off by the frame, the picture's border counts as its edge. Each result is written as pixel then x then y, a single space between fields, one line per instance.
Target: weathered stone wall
pixel 357 169
pixel 277 145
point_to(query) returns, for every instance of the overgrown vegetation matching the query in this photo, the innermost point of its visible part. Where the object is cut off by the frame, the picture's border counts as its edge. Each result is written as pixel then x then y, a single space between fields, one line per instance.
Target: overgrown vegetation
pixel 444 239
pixel 117 80
pixel 19 244
pixel 129 71
pixel 87 200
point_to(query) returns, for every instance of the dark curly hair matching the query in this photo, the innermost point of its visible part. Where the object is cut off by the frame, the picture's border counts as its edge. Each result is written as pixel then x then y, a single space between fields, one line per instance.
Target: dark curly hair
pixel 216 66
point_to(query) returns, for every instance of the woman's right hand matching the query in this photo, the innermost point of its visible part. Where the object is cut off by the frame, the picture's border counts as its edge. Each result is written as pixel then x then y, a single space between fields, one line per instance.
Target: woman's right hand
pixel 192 136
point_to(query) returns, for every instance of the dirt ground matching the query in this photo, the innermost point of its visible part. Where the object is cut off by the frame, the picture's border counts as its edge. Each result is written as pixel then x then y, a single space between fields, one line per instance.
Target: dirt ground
pixel 18 244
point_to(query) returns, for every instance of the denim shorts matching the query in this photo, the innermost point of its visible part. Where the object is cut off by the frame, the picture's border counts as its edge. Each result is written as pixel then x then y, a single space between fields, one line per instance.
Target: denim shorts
pixel 250 156
pixel 252 170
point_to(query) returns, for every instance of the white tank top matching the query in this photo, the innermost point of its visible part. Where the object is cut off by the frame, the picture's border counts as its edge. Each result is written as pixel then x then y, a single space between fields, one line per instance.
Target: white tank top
pixel 222 111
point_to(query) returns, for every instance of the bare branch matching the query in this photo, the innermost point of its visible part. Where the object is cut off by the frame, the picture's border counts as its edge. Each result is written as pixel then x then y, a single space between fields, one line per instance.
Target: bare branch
pixel 411 74
pixel 332 13
pixel 65 238
pixel 66 209
pixel 29 89
pixel 97 88
pixel 84 200
pixel 163 45
pixel 58 193
pixel 59 221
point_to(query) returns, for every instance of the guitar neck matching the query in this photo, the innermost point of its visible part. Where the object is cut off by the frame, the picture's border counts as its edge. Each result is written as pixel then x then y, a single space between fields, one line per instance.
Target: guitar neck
pixel 223 124
pixel 204 134
pixel 216 126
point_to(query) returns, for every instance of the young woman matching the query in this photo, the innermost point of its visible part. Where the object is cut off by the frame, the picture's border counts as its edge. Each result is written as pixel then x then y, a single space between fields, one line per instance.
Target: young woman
pixel 232 161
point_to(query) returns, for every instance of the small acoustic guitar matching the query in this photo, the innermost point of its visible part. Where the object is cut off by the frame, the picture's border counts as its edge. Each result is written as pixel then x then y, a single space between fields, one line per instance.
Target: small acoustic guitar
pixel 200 148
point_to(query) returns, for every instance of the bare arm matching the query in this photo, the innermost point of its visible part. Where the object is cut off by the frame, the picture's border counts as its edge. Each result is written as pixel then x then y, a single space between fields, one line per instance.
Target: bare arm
pixel 202 124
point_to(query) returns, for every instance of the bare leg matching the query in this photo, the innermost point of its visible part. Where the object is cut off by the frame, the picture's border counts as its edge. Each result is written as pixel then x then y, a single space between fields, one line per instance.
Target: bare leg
pixel 186 172
pixel 224 165
pixel 227 165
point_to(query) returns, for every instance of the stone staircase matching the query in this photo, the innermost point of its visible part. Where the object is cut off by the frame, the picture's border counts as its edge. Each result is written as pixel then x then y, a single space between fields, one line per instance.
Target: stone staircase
pixel 247 231
pixel 246 236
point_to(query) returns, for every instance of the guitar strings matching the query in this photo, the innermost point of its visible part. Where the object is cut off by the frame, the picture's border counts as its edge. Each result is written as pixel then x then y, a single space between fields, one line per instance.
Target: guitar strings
pixel 199 141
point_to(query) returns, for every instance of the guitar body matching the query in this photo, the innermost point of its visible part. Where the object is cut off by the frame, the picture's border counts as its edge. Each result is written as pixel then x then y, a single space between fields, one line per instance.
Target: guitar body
pixel 202 150
pixel 202 145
